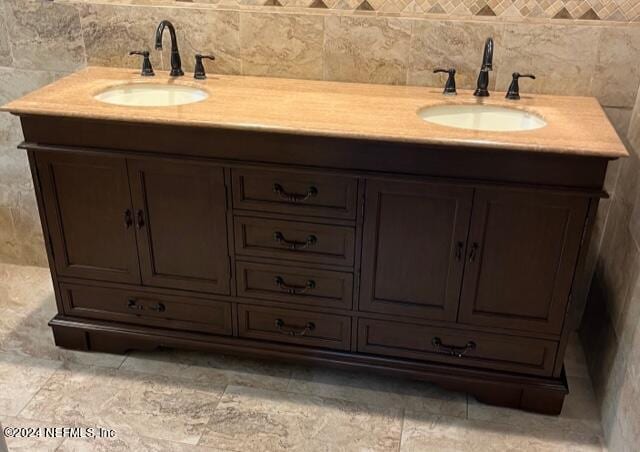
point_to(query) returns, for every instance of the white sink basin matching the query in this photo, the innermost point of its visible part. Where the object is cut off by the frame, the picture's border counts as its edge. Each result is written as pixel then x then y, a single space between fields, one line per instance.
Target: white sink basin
pixel 482 117
pixel 151 95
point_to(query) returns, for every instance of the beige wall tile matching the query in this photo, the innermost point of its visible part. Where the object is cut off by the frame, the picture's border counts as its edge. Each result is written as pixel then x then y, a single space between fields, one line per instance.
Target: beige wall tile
pixel 281 45
pixel 620 119
pixel 563 57
pixel 366 49
pixel 110 32
pixel 44 35
pixel 20 236
pixel 5 50
pixel 449 44
pixel 206 32
pixel 617 74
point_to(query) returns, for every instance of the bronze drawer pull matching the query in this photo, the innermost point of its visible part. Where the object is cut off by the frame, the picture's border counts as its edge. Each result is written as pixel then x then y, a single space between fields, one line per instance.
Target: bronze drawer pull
pixel 293 244
pixel 132 303
pixel 294 290
pixel 294 331
pixel 294 197
pixel 452 350
pixel 158 307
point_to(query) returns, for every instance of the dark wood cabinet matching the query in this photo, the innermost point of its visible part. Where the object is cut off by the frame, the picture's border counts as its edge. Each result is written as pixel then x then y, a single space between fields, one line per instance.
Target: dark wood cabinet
pixel 523 247
pixel 455 266
pixel 415 239
pixel 90 216
pixel 181 223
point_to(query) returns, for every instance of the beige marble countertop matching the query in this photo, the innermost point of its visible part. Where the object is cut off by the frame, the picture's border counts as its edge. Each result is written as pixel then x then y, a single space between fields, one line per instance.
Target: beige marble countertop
pixel 576 125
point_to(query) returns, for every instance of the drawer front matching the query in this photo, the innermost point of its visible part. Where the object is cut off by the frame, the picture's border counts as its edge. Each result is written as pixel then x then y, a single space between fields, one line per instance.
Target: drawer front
pixel 181 313
pixel 287 284
pixel 295 327
pixel 300 194
pixel 296 241
pixel 464 348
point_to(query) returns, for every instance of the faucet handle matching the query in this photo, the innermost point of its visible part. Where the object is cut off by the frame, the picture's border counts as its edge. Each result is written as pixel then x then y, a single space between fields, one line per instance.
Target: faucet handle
pixel 450 86
pixel 147 69
pixel 199 72
pixel 514 89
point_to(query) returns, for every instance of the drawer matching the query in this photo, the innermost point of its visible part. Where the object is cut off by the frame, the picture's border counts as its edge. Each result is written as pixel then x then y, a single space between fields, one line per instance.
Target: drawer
pixel 310 287
pixel 162 311
pixel 464 348
pixel 295 327
pixel 296 241
pixel 293 193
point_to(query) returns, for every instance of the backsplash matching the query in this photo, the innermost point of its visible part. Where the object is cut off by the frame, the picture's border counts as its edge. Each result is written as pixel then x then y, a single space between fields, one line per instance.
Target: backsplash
pixel 610 10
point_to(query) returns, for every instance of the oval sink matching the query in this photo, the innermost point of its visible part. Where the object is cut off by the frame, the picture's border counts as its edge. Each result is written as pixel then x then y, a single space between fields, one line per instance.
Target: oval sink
pixel 482 117
pixel 151 95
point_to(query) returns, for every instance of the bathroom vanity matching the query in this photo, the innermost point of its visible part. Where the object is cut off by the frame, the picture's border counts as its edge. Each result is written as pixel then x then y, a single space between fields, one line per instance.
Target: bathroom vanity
pixel 322 223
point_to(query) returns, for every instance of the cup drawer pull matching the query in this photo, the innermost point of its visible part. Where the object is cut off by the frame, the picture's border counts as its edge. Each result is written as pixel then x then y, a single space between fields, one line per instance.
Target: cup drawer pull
pixel 452 350
pixel 293 244
pixel 294 290
pixel 294 197
pixel 294 330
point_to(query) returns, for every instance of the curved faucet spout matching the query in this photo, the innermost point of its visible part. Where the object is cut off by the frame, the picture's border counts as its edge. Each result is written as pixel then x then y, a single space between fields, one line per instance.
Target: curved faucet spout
pixel 176 62
pixel 487 57
pixel 482 89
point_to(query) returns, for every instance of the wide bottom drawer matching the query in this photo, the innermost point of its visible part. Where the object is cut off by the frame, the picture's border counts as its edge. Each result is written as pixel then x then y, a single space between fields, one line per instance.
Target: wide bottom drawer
pixel 464 348
pixel 294 327
pixel 131 306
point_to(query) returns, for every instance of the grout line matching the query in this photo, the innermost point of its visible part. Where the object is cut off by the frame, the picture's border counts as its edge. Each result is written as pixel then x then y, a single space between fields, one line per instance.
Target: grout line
pixel 403 415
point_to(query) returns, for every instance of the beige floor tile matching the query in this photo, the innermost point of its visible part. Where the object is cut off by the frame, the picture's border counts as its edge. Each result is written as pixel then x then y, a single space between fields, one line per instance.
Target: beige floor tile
pixel 572 426
pixel 125 444
pixel 129 403
pixel 382 391
pixel 161 407
pixel 424 432
pixel 30 443
pixel 74 396
pixel 210 367
pixel 27 304
pixel 249 419
pixel 20 379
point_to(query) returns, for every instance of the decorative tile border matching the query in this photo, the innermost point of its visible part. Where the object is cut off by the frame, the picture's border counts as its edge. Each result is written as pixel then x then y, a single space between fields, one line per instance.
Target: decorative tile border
pixel 591 10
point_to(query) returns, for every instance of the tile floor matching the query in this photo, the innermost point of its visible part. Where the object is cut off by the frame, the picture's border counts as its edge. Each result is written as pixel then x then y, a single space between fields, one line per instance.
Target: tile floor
pixel 185 401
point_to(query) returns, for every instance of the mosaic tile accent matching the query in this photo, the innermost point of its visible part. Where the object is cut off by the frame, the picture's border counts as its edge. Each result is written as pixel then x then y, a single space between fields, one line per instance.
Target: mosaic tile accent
pixel 581 10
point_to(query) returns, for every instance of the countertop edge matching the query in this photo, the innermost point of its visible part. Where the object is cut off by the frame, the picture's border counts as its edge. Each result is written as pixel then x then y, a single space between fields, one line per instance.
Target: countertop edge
pixel 448 142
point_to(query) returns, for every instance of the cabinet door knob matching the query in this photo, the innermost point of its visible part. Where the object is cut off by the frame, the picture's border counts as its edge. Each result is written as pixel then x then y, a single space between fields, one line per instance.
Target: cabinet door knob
pixel 128 218
pixel 459 249
pixel 473 254
pixel 140 219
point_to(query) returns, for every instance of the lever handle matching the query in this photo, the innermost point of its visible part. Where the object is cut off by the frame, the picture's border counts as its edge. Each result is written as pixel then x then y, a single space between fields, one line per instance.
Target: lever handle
pixel 513 93
pixel 200 73
pixel 450 86
pixel 147 68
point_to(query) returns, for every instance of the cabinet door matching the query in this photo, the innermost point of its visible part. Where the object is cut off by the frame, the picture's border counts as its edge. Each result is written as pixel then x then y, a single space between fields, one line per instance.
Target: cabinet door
pixel 413 247
pixel 90 218
pixel 523 248
pixel 181 222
